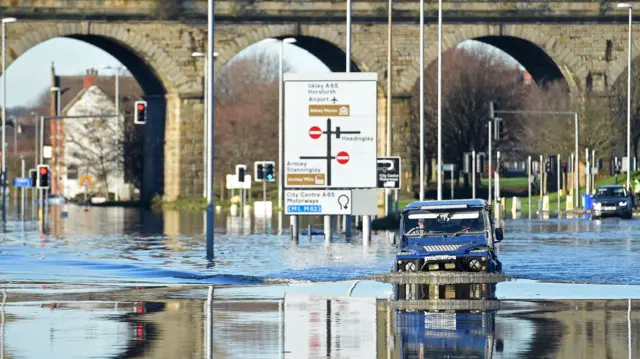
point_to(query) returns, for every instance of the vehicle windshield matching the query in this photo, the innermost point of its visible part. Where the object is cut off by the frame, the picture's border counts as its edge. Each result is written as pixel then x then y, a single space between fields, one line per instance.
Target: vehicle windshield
pixel 611 192
pixel 460 222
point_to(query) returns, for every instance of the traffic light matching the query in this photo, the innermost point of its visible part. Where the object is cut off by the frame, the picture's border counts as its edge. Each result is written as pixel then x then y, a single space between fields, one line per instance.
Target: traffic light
pixel 44 177
pixel 564 167
pixel 241 170
pixel 258 169
pixel 140 117
pixel 33 173
pixel 269 168
pixel 501 129
pixel 547 166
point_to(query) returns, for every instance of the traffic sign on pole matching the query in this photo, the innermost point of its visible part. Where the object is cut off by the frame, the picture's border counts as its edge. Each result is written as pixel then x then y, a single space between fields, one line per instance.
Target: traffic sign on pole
pixel 86 181
pixel 317 202
pixel 330 130
pixel 22 182
pixel 389 172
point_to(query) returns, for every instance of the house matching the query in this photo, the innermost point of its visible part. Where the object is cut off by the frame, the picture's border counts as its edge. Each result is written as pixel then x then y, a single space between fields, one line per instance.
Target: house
pixel 88 140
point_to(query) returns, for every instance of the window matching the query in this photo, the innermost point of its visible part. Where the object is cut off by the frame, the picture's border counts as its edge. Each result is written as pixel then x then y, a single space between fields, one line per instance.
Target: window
pixel 444 222
pixel 611 192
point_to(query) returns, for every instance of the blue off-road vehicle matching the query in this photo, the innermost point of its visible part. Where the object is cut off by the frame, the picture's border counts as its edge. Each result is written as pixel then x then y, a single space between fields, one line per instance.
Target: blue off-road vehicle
pixel 455 235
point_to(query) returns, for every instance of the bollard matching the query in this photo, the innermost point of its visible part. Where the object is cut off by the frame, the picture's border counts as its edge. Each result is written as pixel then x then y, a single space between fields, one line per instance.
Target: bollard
pixel 218 209
pixel 233 210
pixel 280 221
pixel 516 204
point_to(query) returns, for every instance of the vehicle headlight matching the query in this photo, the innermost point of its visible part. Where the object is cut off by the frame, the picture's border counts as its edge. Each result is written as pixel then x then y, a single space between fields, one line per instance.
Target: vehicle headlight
pixel 597 205
pixel 623 203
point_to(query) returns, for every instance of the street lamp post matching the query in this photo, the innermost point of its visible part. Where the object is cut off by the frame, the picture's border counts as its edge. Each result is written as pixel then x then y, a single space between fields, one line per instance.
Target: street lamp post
pixel 630 8
pixel 422 100
pixel 117 104
pixel 440 101
pixel 206 122
pixel 210 149
pixel 5 21
pixel 288 40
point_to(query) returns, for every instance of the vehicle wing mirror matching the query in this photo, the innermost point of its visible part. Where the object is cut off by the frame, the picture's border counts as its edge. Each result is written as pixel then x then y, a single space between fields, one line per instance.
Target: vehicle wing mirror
pixel 499 235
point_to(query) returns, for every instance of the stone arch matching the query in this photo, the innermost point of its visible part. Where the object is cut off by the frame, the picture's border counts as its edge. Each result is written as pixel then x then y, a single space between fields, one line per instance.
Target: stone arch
pixel 508 38
pixel 617 72
pixel 124 45
pixel 157 73
pixel 311 39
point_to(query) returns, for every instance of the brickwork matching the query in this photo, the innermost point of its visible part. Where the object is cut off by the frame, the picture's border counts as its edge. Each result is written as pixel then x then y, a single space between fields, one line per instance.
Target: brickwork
pixel 594 50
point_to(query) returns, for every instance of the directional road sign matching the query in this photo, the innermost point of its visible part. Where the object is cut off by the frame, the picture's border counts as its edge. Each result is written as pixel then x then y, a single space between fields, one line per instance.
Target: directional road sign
pixel 22 182
pixel 317 202
pixel 389 172
pixel 330 130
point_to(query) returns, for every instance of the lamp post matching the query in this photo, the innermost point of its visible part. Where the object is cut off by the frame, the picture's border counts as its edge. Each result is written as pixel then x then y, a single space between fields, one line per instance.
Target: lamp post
pixel 630 8
pixel 117 104
pixel 5 21
pixel 422 100
pixel 210 149
pixel 289 40
pixel 440 101
pixel 387 193
pixel 205 189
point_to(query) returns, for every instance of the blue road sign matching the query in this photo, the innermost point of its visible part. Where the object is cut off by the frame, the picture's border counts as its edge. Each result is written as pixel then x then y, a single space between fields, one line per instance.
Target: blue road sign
pixel 22 182
pixel 304 209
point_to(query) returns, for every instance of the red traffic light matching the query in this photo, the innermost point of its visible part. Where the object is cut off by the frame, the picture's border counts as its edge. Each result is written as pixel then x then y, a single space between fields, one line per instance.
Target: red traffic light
pixel 140 107
pixel 44 170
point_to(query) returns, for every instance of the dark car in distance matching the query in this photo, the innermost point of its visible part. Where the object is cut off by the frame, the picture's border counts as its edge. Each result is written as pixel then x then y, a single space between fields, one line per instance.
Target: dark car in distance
pixel 612 201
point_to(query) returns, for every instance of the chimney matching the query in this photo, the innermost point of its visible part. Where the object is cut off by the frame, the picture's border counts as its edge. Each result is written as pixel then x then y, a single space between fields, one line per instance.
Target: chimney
pixel 89 78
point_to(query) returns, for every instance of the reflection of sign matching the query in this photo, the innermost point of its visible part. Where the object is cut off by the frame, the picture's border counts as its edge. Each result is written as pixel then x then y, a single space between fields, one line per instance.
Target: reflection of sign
pixel 232 182
pixel 22 182
pixel 330 142
pixel 318 327
pixel 325 202
pixel 389 172
pixel 86 181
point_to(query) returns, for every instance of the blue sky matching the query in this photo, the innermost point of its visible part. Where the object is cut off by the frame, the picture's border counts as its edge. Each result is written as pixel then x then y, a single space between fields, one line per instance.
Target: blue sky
pixel 30 74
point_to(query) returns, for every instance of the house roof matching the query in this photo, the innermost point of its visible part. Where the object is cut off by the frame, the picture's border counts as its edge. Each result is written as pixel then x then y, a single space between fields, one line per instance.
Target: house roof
pixel 72 90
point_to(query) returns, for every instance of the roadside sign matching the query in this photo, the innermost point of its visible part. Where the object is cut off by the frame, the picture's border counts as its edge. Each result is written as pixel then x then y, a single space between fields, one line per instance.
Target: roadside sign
pixel 330 130
pixel 232 182
pixel 47 152
pixel 317 202
pixel 22 182
pixel 86 181
pixel 389 172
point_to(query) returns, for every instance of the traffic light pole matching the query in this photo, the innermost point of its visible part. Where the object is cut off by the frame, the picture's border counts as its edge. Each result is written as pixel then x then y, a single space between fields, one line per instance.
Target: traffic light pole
pixel 264 190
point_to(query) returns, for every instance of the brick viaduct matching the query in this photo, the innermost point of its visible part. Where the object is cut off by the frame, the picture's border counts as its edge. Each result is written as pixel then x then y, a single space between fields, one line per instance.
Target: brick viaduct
pixel 584 42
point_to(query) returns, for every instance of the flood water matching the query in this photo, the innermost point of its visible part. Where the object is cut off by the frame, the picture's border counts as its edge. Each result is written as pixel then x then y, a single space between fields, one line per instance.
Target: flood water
pixel 127 245
pixel 126 283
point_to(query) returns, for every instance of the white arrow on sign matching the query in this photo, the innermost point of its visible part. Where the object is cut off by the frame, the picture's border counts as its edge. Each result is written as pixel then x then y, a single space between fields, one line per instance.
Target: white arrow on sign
pixel 389 162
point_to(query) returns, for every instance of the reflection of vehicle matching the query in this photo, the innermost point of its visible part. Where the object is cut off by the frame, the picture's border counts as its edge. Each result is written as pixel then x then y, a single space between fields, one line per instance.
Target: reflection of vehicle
pixel 612 200
pixel 455 235
pixel 459 334
pixel 458 320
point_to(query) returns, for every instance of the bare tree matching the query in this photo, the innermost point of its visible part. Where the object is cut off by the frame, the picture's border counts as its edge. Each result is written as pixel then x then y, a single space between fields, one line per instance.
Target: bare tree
pixel 471 79
pixel 555 134
pixel 246 111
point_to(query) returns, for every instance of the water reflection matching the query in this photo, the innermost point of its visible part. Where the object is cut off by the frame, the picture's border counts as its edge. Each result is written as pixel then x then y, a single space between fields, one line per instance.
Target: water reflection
pixel 443 321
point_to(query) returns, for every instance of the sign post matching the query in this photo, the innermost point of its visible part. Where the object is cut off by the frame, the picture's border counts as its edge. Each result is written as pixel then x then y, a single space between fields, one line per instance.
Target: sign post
pixel 389 169
pixel 330 139
pixel 86 182
pixel 450 168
